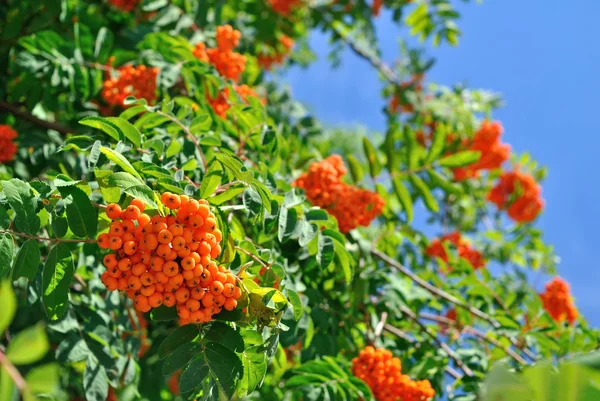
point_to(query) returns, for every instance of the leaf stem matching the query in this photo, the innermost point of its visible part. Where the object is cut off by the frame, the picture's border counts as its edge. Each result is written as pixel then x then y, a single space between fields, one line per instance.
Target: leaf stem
pixel 13 372
pixel 188 133
pixel 253 256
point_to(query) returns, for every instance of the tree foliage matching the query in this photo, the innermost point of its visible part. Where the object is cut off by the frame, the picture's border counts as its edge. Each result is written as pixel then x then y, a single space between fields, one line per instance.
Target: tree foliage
pixel 421 241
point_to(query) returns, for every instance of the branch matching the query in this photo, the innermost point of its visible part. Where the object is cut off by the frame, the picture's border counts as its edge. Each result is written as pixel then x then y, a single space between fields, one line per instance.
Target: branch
pixel 476 333
pixel 253 256
pixel 18 234
pixel 399 333
pixel 434 290
pixel 412 316
pixel 13 372
pixel 25 115
pixel 188 133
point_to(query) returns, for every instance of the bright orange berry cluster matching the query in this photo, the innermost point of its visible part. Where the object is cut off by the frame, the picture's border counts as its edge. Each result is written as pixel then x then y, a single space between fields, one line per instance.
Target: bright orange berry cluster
pixel 125 5
pixel 436 249
pixel 284 7
pixel 558 302
pixel 519 194
pixel 7 147
pixel 168 259
pixel 139 81
pixel 267 61
pixel 383 374
pixel 376 7
pixel 493 152
pixel 351 206
pixel 228 63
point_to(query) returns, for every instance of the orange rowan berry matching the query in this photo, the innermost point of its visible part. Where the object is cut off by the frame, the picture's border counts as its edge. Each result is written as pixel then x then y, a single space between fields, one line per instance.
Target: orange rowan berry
pixel 183 313
pixel 7 147
pixel 219 300
pixel 128 227
pixel 150 242
pixel 157 263
pixel 176 230
pixel 103 241
pixel 161 277
pixel 215 251
pixel 147 279
pixel 216 288
pixel 208 299
pixel 125 264
pixel 192 305
pixel 172 201
pixel 155 300
pixel 204 211
pixel 176 280
pixel 231 279
pixel 112 284
pixel 228 290
pixel 230 304
pixel 182 295
pixel 122 284
pixel 141 301
pixel 115 243
pixel 110 260
pixel 171 256
pixel 131 213
pixel 134 283
pixel 159 287
pixel 138 269
pixel 188 263
pixel 192 206
pixel 197 316
pixel 147 291
pixel 114 272
pixel 163 250
pixel 113 211
pixel 130 247
pixel 204 249
pixel 177 243
pixel 137 81
pixel 519 194
pixel 159 226
pixel 116 229
pixel 237 293
pixel 169 299
pixel 170 268
pixel 197 293
pixel 138 203
pixel 143 219
pixel 145 258
pixel 558 302
pixel 221 277
pixel 188 274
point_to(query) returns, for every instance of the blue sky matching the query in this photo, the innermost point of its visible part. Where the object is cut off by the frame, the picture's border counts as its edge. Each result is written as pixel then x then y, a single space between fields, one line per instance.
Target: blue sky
pixel 542 56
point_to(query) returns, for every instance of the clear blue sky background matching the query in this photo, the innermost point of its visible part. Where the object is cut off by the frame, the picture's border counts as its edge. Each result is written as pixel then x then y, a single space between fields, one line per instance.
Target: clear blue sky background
pixel 543 56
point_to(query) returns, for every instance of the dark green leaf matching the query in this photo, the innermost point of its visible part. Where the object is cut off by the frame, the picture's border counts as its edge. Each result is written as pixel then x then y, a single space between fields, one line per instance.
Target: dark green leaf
pixel 8 304
pixel 81 215
pixel 27 261
pixel 128 129
pixel 371 153
pixel 355 168
pixel 21 200
pixel 105 125
pixel 460 159
pixel 56 279
pixel 225 367
pixel 288 219
pixel 95 381
pixel 191 379
pixel 177 338
pixel 225 335
pixel 179 358
pixel 404 197
pixel 7 248
pixel 426 194
pixel 296 302
pixel 211 180
pixel 326 251
pixel 119 160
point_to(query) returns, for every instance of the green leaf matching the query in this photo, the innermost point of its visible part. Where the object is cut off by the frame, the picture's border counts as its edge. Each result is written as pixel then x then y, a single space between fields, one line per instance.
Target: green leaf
pixel 128 129
pixel 191 379
pixel 4 219
pixel 177 338
pixel 56 279
pixel 27 261
pixel 252 202
pixel 225 335
pixel 438 144
pixel 316 214
pixel 81 215
pixel 28 346
pixel 211 180
pixel 104 42
pixel 296 303
pixel 404 197
pixel 105 125
pixel 43 379
pixel 119 160
pixel 293 198
pixel 307 232
pixel 132 112
pixel 426 194
pixel 120 179
pixel 179 358
pixel 7 387
pixel 7 248
pixel 460 159
pixel 325 251
pixel 164 313
pixel 374 164
pixel 95 381
pixel 174 148
pixel 442 182
pixel 144 193
pixel 355 168
pixel 24 204
pixel 288 219
pixel 343 257
pixel 225 367
pixel 235 166
pixel 254 362
pixel 8 304
pixel 201 123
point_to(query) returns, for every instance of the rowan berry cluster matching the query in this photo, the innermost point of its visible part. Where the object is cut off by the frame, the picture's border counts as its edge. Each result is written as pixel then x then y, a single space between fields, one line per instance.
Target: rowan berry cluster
pixel 168 259
pixel 558 302
pixel 519 194
pixel 376 7
pixel 351 206
pixel 267 61
pixel 7 147
pixel 125 5
pixel 436 249
pixel 493 152
pixel 383 374
pixel 284 7
pixel 139 81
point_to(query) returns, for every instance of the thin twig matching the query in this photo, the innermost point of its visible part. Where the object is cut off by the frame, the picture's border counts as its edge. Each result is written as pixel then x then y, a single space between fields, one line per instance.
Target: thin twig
pixel 399 333
pixel 13 372
pixel 476 333
pixel 188 133
pixel 434 290
pixel 26 115
pixel 379 327
pixel 18 234
pixel 412 316
pixel 253 256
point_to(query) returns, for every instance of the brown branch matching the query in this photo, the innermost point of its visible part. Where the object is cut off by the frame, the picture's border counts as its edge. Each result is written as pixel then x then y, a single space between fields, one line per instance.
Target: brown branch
pixel 253 256
pixel 13 372
pixel 26 115
pixel 412 316
pixel 18 234
pixel 399 333
pixel 188 133
pixel 476 333
pixel 434 290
